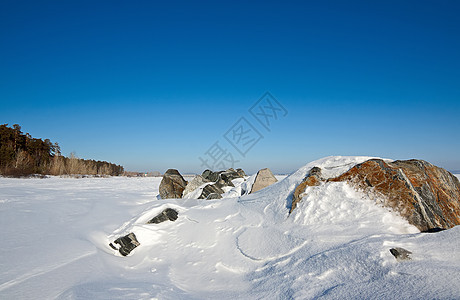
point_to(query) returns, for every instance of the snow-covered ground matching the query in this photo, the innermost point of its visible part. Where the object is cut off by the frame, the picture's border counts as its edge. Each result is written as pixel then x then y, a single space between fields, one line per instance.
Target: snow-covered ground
pixel 55 234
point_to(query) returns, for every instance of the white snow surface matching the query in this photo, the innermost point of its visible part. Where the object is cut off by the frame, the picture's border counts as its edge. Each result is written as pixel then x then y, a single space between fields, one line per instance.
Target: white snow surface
pixel 55 234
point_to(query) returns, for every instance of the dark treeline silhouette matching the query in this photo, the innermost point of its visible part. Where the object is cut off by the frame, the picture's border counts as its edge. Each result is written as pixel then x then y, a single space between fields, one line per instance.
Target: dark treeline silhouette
pixel 22 155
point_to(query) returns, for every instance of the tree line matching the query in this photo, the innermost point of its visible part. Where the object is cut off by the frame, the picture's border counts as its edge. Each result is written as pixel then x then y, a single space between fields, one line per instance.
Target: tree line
pixel 22 155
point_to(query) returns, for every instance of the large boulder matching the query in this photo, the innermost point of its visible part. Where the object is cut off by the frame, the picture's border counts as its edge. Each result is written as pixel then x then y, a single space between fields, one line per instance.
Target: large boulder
pixel 172 185
pixel 263 179
pixel 426 195
pixel 312 179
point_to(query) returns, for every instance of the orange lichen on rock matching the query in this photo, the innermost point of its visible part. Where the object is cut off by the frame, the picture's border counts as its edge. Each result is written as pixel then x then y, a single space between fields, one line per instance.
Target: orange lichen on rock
pixel 313 179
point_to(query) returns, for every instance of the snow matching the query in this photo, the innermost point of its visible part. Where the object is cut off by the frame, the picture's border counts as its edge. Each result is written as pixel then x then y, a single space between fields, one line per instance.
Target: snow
pixel 56 231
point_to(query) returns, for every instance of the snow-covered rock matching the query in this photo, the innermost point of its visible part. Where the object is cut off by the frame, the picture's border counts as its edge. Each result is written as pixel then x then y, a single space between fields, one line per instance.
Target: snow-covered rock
pixel 313 179
pixel 195 183
pixel 211 185
pixel 424 194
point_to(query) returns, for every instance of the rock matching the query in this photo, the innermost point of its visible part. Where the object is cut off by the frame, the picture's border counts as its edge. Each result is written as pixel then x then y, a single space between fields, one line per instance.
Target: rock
pixel 210 175
pixel 210 189
pixel 230 175
pixel 172 185
pixel 224 178
pixel 213 196
pixel 224 181
pixel 195 183
pixel 426 196
pixel 400 253
pixel 263 179
pixel 433 230
pixel 313 179
pixel 241 172
pixel 167 214
pixel 126 244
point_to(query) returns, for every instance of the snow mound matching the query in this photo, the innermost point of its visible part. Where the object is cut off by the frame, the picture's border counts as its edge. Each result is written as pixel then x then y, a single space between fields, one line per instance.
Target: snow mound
pixel 230 240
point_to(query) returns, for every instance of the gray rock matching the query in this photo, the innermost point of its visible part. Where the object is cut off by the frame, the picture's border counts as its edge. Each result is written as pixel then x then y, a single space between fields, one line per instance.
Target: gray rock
pixel 213 196
pixel 241 173
pixel 196 182
pixel 210 175
pixel 206 173
pixel 229 175
pixel 224 181
pixel 172 185
pixel 263 179
pixel 167 214
pixel 224 178
pixel 126 244
pixel 210 189
pixel 400 253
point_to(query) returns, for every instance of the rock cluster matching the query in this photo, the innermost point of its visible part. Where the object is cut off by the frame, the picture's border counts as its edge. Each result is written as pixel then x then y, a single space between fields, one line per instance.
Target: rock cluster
pixel 195 183
pixel 223 178
pixel 219 180
pixel 211 184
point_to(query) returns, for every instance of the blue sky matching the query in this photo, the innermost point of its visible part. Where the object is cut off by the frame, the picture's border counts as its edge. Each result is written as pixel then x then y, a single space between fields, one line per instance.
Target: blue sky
pixel 153 85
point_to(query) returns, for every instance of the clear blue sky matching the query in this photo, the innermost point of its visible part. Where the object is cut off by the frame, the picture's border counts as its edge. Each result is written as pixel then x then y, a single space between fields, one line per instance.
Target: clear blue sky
pixel 153 85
